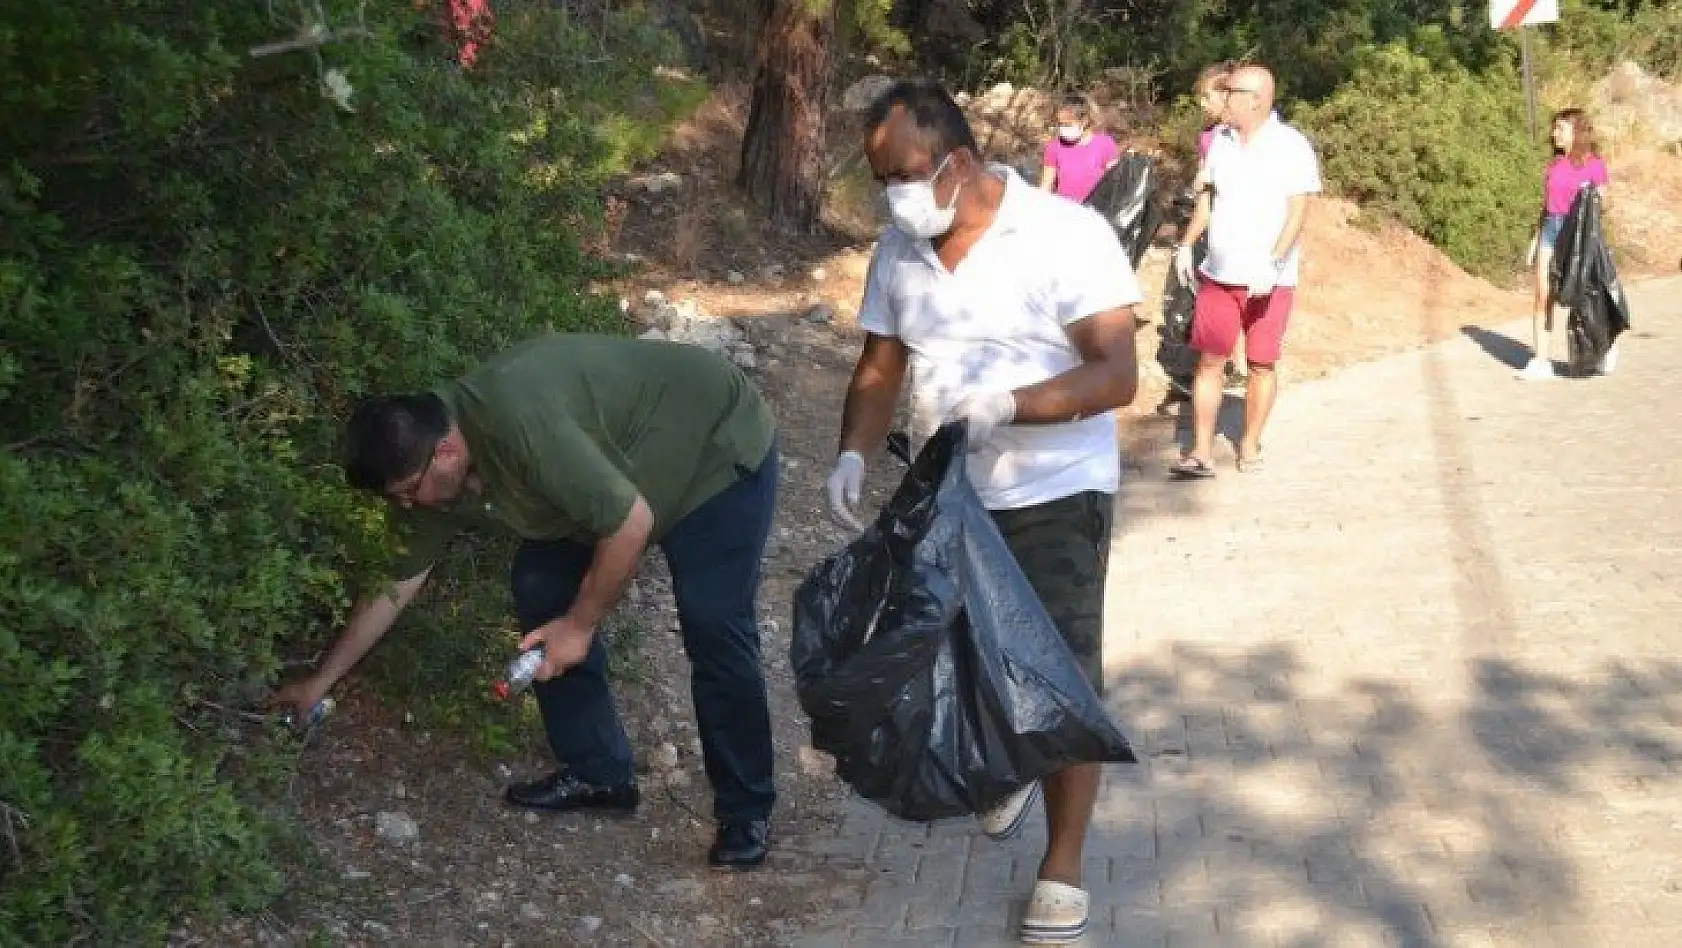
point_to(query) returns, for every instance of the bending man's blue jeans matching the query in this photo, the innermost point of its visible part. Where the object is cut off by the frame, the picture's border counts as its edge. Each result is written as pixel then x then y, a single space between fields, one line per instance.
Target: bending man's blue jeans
pixel 714 554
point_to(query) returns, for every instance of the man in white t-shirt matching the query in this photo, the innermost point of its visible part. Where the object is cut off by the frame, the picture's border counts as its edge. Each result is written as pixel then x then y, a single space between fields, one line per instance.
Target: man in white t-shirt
pixel 1261 173
pixel 1013 310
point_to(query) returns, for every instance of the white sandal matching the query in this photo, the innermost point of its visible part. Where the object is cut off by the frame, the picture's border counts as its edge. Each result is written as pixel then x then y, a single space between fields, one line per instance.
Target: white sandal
pixel 1056 914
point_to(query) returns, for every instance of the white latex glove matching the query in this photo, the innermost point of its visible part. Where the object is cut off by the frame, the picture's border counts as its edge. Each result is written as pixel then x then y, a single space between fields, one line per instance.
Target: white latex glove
pixel 1183 268
pixel 984 411
pixel 845 485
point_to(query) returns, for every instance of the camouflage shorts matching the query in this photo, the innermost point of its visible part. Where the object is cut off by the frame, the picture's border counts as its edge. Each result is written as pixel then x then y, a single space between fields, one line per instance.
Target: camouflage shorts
pixel 1064 547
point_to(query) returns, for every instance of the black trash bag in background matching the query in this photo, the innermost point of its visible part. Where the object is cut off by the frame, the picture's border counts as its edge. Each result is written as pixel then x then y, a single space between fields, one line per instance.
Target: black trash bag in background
pixel 1126 197
pixel 1179 303
pixel 1585 281
pixel 927 664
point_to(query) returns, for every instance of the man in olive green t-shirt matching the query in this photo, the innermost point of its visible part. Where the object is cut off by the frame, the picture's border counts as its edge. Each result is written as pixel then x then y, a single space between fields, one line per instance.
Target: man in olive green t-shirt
pixel 590 448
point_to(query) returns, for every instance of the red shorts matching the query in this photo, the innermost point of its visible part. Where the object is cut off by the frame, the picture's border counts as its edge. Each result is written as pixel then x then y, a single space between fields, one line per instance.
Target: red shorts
pixel 1223 310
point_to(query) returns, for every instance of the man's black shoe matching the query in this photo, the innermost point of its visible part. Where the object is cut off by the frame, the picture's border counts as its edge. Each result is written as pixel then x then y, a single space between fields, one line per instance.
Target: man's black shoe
pixel 740 845
pixel 562 790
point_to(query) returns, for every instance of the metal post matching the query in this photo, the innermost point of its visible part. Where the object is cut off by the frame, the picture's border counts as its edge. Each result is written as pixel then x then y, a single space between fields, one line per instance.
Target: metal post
pixel 1529 80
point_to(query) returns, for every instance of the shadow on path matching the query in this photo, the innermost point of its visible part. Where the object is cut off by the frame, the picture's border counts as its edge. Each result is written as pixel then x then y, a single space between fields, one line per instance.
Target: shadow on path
pixel 1499 346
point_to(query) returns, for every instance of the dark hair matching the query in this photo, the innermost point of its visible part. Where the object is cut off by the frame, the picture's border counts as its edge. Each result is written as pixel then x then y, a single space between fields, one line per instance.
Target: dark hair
pixel 932 112
pixel 1078 104
pixel 389 437
pixel 1582 134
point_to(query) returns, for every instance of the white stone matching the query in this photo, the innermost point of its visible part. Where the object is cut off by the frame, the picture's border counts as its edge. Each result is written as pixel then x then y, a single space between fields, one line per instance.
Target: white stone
pixel 623 879
pixel 396 827
pixel 814 762
pixel 590 924
pixel 665 757
pixel 662 182
pixel 735 277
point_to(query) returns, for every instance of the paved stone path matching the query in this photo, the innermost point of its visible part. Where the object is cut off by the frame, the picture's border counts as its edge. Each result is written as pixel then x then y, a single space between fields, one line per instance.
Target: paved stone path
pixel 1416 685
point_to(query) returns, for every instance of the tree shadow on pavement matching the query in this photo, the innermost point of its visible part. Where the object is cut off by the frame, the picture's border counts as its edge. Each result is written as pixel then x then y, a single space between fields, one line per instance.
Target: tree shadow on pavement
pixel 1268 813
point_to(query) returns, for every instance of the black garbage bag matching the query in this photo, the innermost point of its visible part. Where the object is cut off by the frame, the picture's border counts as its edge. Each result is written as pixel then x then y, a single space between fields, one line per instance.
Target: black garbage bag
pixel 927 664
pixel 1585 281
pixel 1127 197
pixel 1179 303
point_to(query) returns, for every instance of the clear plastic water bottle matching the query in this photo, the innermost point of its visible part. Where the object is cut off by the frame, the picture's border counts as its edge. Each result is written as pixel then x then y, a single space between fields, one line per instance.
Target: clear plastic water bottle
pixel 317 713
pixel 520 673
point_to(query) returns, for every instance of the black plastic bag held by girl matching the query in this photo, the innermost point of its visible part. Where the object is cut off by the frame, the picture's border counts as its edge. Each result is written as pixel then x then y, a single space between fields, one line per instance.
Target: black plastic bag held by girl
pixel 1585 281
pixel 1179 304
pixel 1126 197
pixel 929 667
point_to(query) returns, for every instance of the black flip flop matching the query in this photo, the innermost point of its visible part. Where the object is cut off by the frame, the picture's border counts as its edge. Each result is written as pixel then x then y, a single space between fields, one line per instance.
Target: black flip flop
pixel 1191 468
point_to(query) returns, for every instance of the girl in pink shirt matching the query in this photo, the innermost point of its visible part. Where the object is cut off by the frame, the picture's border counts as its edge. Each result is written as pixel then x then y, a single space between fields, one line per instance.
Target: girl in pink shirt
pixel 1575 165
pixel 1076 157
pixel 1210 89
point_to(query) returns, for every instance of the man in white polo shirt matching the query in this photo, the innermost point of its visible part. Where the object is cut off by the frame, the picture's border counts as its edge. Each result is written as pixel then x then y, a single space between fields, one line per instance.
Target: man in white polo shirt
pixel 1260 173
pixel 1013 310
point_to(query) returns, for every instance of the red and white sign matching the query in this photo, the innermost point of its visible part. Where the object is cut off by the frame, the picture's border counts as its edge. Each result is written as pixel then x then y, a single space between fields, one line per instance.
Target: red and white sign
pixel 1511 14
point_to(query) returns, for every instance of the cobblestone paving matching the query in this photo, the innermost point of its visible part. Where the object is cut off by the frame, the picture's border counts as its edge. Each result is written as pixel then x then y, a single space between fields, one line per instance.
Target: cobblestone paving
pixel 1415 685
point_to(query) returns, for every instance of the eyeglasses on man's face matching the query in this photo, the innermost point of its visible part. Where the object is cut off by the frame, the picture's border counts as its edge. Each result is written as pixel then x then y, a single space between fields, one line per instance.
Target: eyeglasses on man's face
pixel 407 492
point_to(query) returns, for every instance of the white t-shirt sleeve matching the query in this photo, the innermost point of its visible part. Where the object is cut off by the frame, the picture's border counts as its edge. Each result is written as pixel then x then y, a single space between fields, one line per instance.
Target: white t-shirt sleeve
pixel 1094 275
pixel 876 311
pixel 1302 169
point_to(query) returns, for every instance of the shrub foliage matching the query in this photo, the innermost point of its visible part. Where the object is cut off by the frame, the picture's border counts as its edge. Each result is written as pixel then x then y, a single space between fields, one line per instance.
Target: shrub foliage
pixel 1444 151
pixel 205 255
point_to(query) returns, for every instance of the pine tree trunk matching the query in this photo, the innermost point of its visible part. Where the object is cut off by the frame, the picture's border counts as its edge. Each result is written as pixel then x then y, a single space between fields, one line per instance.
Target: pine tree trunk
pixel 783 150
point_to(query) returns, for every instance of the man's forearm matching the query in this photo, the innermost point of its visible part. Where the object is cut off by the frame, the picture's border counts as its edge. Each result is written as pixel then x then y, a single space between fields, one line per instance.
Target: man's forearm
pixel 1294 219
pixel 1081 392
pixel 1199 220
pixel 1107 378
pixel 866 417
pixel 872 393
pixel 612 567
pixel 370 620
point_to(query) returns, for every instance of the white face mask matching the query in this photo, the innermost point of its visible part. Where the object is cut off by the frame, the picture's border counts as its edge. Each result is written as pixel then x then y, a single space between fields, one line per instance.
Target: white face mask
pixel 1070 133
pixel 915 209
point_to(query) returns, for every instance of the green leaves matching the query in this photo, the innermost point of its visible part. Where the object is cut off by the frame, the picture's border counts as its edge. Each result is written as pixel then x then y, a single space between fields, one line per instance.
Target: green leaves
pixel 204 263
pixel 1438 147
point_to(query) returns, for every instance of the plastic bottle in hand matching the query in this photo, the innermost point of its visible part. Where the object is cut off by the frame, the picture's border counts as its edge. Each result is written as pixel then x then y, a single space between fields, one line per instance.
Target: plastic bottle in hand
pixel 520 673
pixel 319 711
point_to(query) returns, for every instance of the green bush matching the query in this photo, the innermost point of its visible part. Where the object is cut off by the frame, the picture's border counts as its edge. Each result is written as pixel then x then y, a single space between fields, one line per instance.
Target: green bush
pixel 1437 147
pixel 1592 36
pixel 204 259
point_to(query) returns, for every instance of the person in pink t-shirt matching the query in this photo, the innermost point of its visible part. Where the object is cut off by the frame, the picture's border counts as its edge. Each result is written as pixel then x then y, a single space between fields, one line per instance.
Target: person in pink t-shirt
pixel 1576 165
pixel 1076 157
pixel 1211 98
